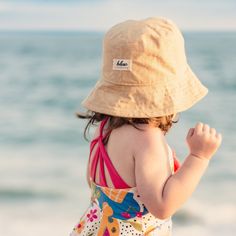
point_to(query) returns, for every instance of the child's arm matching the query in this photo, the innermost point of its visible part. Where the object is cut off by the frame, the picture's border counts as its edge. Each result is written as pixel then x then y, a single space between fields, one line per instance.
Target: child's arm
pixel 163 193
pixel 180 186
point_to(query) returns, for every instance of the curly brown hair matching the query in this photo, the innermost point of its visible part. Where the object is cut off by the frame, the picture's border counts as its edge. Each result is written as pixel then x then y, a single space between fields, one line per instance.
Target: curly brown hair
pixel 163 122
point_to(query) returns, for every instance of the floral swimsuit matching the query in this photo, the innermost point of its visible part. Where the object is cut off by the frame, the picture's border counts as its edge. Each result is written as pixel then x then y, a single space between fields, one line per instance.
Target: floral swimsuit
pixel 118 211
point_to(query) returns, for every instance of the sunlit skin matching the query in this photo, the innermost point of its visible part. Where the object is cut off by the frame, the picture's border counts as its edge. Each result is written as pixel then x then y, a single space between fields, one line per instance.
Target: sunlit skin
pixel 143 151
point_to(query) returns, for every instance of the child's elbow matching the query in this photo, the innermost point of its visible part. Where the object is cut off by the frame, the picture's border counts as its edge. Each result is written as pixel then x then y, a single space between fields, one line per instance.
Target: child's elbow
pixel 159 209
pixel 162 214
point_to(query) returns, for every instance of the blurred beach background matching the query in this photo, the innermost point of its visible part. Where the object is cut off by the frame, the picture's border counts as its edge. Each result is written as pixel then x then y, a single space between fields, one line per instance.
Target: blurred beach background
pixel 50 58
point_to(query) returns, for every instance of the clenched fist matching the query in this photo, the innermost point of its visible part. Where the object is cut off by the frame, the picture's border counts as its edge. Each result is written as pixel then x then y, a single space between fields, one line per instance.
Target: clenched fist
pixel 203 141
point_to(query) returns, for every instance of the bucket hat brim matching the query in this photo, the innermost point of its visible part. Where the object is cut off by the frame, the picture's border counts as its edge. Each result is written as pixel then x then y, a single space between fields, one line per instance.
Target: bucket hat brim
pixel 145 101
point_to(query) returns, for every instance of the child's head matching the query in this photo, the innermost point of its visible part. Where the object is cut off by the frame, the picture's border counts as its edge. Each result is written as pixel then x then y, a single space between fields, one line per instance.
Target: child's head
pixel 145 73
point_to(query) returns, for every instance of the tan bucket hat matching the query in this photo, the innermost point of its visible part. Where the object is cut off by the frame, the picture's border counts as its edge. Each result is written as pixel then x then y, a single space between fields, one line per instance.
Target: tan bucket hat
pixel 145 71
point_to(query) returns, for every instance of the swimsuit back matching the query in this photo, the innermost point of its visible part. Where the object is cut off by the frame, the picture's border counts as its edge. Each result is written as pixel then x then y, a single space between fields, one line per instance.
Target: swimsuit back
pixel 118 211
pixel 102 157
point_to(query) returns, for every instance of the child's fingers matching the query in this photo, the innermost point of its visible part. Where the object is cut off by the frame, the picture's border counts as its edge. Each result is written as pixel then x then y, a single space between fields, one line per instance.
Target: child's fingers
pixel 190 132
pixel 199 127
pixel 219 137
pixel 206 128
pixel 213 131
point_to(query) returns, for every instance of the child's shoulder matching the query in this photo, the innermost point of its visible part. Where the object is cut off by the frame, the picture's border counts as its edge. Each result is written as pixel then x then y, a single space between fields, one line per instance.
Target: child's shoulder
pixel 142 136
pixel 147 134
pixel 151 138
pixel 148 137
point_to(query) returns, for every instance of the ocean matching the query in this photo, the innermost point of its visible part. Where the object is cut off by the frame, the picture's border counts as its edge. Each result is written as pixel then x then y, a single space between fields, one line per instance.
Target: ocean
pixel 44 76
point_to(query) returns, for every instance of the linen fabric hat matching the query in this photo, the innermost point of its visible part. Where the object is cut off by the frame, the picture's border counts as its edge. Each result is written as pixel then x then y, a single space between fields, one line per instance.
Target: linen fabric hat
pixel 145 72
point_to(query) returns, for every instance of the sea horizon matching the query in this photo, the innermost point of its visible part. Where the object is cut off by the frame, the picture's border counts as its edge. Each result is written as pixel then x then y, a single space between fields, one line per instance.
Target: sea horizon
pixel 43 155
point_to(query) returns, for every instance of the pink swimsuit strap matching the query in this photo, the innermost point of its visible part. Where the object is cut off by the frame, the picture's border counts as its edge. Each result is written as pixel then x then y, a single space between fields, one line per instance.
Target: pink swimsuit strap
pixel 102 157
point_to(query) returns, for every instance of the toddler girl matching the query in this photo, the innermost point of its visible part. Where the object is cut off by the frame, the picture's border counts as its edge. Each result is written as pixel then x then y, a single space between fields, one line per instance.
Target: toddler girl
pixel 136 180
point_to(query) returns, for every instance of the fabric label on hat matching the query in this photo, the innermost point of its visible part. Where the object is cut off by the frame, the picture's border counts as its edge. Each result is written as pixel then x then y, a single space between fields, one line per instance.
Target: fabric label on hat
pixel 122 64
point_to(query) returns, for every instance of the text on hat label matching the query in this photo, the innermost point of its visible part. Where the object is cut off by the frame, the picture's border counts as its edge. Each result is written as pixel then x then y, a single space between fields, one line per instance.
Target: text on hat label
pixel 122 64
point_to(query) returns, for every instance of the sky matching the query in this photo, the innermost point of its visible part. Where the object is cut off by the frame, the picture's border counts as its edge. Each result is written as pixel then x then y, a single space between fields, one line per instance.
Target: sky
pixel 99 15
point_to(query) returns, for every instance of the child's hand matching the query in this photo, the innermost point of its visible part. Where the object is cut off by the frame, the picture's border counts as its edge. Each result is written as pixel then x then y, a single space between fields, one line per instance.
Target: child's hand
pixel 203 141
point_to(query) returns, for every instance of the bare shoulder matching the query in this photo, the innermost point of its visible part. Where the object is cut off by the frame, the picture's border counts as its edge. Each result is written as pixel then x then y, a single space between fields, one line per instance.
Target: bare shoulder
pixel 146 138
pixel 138 138
pixel 143 134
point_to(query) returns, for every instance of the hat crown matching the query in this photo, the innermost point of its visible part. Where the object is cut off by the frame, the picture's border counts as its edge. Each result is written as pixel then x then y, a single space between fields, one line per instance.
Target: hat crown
pixel 142 52
pixel 145 72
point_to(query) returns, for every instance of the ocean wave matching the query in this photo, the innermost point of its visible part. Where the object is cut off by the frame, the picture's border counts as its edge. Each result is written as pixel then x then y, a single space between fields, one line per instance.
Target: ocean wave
pixel 27 194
